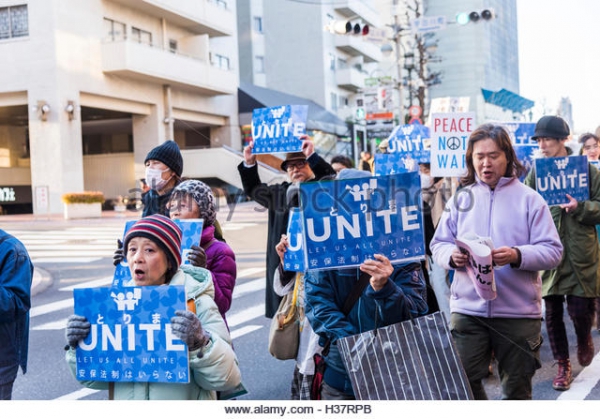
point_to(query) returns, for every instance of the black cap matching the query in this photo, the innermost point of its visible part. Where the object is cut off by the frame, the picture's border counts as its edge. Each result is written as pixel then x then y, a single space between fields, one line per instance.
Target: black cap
pixel 169 154
pixel 552 127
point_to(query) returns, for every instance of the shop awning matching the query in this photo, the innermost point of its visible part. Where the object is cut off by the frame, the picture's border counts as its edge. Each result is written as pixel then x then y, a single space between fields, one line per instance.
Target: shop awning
pixel 507 100
pixel 251 97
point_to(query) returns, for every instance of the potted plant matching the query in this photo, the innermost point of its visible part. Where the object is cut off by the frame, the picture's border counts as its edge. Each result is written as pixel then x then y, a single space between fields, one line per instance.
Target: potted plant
pixel 86 204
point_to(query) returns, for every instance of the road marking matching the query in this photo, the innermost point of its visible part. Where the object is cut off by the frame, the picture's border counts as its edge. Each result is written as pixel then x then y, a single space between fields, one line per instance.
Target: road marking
pixel 72 259
pixel 245 315
pixel 248 287
pixel 49 308
pixel 583 384
pixel 79 394
pixel 244 331
pixel 249 272
pixel 57 325
pixel 106 280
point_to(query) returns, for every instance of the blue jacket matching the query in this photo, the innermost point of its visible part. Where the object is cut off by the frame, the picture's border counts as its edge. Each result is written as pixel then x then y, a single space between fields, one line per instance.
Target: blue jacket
pixel 326 292
pixel 512 215
pixel 16 273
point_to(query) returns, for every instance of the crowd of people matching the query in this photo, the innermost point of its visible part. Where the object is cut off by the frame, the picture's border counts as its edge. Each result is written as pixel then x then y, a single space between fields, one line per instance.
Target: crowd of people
pixel 543 258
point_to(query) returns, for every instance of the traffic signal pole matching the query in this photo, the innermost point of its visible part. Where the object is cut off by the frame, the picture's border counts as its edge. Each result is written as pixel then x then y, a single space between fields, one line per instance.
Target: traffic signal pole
pixel 399 63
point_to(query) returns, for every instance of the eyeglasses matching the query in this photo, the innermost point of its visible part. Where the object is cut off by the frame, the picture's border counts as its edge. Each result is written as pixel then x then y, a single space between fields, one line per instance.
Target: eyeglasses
pixel 590 147
pixel 298 164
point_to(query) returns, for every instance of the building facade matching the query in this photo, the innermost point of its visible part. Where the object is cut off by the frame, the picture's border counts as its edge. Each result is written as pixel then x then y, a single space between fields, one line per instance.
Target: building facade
pixel 92 86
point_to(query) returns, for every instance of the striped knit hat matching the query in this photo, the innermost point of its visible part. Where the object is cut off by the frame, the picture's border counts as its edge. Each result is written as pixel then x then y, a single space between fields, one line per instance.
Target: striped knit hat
pixel 162 231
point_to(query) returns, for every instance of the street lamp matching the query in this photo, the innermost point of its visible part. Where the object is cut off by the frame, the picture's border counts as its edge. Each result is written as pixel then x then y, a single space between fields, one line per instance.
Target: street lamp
pixel 409 64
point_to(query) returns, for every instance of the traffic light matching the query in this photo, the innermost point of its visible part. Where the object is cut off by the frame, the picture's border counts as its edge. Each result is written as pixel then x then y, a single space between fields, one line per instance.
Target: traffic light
pixel 344 27
pixel 465 17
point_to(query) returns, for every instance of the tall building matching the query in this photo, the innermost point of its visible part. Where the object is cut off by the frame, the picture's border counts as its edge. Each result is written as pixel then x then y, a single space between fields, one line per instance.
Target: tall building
pixel 285 46
pixel 565 110
pixel 479 60
pixel 89 87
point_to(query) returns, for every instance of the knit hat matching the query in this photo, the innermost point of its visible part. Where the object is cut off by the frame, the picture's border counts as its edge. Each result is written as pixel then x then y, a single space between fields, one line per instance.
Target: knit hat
pixel 352 174
pixel 297 155
pixel 162 231
pixel 169 154
pixel 552 127
pixel 203 196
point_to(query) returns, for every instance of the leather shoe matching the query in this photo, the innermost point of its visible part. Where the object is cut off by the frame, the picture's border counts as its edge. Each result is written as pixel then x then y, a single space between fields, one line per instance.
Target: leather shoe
pixel 585 352
pixel 564 377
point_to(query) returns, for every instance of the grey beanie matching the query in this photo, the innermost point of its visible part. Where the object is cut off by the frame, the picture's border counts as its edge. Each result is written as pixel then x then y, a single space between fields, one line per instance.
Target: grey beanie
pixel 202 194
pixel 353 174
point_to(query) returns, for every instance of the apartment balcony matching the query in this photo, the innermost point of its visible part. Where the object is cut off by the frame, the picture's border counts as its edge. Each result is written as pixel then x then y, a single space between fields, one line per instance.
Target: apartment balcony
pixel 353 9
pixel 354 45
pixel 198 16
pixel 350 79
pixel 155 65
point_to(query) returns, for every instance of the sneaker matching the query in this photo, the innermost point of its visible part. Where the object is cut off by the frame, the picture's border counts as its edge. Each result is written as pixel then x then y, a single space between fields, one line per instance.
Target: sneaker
pixel 563 379
pixel 585 352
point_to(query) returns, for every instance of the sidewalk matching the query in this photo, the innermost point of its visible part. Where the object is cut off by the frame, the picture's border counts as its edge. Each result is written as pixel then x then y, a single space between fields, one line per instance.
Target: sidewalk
pixel 239 212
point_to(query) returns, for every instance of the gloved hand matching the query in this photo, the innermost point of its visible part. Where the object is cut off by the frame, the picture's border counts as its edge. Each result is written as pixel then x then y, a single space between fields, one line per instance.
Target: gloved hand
pixel 197 256
pixel 78 328
pixel 119 253
pixel 187 327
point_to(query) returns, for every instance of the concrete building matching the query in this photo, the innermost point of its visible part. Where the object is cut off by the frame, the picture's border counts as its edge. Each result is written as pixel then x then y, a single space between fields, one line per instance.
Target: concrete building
pixel 288 47
pixel 89 87
pixel 480 60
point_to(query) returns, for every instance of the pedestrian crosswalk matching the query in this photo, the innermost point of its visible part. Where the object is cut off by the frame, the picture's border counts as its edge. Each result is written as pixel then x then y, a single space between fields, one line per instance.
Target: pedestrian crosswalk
pixel 81 244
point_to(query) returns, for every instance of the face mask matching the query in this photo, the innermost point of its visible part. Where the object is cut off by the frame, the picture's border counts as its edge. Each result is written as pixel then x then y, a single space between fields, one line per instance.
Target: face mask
pixel 426 180
pixel 154 178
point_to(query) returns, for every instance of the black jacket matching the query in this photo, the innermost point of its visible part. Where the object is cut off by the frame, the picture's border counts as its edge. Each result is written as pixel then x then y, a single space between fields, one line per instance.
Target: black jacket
pixel 274 198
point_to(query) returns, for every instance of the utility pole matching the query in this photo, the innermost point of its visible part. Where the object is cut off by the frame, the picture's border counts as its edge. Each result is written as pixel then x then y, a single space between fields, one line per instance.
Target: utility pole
pixel 399 63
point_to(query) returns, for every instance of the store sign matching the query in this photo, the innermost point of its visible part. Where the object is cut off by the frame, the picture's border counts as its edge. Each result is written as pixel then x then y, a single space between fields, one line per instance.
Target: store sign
pixel 15 195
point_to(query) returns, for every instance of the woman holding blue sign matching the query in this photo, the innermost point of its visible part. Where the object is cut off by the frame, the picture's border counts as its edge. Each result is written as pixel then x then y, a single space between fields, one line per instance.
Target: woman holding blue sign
pixel 577 278
pixel 493 203
pixel 194 199
pixel 153 246
pixel 590 147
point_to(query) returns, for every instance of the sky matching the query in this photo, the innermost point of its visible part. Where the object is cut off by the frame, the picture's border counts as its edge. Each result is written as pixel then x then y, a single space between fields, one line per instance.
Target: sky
pixel 559 56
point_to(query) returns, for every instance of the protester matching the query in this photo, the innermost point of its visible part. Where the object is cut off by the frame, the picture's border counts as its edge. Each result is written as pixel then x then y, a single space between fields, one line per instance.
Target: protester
pixel 366 161
pixel 340 162
pixel 153 246
pixel 164 166
pixel 577 278
pixel 16 275
pixel 493 203
pixel 393 292
pixel 435 194
pixel 304 370
pixel 194 199
pixel 302 166
pixel 590 147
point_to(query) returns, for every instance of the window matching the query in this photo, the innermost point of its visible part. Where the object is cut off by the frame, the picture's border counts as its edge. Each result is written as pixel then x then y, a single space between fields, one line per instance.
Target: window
pixel 342 63
pixel 334 101
pixel 331 61
pixel 173 45
pixel 141 36
pixel 257 24
pixel 14 22
pixel 343 101
pixel 259 64
pixel 220 3
pixel 220 61
pixel 115 31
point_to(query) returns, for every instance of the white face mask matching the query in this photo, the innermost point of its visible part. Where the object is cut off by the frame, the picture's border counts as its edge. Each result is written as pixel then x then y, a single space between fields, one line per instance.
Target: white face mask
pixel 154 178
pixel 426 180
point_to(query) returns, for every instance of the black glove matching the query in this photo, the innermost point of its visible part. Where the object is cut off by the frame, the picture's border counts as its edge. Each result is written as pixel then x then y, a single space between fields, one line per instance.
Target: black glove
pixel 119 253
pixel 78 328
pixel 187 327
pixel 197 256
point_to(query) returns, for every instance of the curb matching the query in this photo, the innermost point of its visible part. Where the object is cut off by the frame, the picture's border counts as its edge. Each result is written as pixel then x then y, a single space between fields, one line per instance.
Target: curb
pixel 41 280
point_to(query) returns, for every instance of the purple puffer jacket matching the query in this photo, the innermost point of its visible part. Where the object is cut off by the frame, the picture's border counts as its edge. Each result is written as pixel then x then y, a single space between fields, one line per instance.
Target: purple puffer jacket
pixel 220 261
